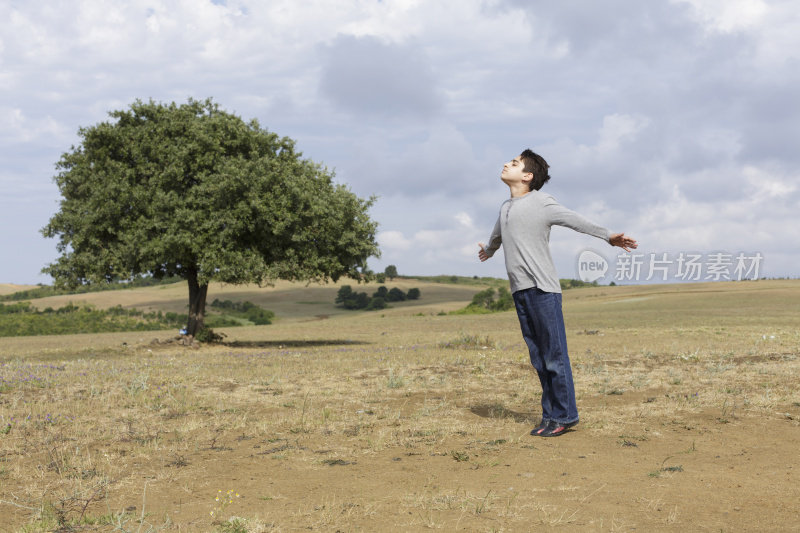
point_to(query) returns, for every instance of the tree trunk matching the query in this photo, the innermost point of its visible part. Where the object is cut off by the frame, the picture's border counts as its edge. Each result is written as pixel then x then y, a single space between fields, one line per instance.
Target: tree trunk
pixel 197 305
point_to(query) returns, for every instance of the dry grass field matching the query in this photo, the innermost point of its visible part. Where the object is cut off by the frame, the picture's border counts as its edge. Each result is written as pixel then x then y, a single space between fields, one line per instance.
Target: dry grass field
pixel 410 420
pixel 8 288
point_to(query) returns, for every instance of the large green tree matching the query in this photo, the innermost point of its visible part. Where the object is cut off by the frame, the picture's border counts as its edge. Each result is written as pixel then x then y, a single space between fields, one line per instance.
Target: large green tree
pixel 193 191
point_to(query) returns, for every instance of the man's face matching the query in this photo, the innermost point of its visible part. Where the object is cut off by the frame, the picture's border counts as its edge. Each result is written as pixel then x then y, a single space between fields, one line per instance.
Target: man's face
pixel 512 172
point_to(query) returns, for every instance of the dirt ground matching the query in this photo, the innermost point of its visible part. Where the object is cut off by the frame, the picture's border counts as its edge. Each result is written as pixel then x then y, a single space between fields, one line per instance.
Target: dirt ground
pixel 696 475
pixel 401 422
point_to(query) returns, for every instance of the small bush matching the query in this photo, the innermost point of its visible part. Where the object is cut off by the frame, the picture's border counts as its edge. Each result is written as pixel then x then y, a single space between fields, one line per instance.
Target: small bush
pixel 396 295
pixel 208 335
pixel 382 292
pixel 376 303
pixel 488 301
pixel 239 313
pixel 467 341
pixel 344 294
pixel 222 321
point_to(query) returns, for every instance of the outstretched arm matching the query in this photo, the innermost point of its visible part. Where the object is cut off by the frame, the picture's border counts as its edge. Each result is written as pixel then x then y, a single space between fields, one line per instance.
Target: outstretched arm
pixel 565 217
pixel 495 240
pixel 623 241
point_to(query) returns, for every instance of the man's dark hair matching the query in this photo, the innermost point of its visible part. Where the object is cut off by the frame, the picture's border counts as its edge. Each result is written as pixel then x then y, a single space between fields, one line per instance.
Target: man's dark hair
pixel 535 164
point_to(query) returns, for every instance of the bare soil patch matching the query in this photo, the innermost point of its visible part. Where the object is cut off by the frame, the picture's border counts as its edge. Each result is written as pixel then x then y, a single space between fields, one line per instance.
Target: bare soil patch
pixel 382 422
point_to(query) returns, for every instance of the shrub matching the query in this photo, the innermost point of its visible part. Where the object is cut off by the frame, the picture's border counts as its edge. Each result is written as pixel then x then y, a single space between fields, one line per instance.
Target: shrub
pixel 483 298
pixel 21 307
pixel 208 335
pixel 362 300
pixel 260 317
pixel 487 301
pixel 247 311
pixel 413 294
pixel 396 295
pixel 24 319
pixel 382 292
pixel 504 300
pixel 222 321
pixel 376 303
pixel 344 294
pixel 357 300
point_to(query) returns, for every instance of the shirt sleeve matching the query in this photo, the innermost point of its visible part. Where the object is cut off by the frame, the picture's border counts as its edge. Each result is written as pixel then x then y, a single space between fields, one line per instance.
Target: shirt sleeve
pixel 495 240
pixel 559 215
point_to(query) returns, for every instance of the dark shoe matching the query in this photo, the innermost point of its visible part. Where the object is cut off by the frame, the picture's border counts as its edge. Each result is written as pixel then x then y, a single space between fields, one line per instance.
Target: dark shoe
pixel 554 429
pixel 541 427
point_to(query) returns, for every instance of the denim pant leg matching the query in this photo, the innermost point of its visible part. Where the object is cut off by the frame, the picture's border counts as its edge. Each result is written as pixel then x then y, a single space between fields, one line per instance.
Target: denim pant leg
pixel 526 324
pixel 542 324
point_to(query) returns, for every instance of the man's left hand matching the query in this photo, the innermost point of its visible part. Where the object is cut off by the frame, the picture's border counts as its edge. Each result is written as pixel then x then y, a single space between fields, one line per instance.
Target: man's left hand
pixel 623 241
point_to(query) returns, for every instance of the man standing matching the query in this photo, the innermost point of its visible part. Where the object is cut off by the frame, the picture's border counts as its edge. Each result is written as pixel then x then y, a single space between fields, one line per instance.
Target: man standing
pixel 523 228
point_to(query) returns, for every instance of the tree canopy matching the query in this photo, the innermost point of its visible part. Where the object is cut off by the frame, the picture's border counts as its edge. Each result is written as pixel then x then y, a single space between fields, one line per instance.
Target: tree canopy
pixel 193 191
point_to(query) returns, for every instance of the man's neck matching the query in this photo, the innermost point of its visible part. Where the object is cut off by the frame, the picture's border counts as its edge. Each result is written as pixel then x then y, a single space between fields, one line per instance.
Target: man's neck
pixel 518 190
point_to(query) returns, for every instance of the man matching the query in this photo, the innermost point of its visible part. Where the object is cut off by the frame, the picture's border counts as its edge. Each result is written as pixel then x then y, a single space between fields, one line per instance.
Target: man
pixel 523 228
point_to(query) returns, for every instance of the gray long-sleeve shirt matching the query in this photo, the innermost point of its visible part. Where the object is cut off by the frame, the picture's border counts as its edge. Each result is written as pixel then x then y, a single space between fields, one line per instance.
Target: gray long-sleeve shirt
pixel 523 228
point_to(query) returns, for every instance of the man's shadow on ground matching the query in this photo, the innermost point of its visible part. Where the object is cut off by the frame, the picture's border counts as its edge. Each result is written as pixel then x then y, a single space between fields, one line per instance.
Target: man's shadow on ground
pixel 498 411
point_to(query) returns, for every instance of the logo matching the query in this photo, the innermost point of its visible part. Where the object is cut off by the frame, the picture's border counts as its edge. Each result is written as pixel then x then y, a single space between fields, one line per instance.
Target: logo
pixel 666 266
pixel 591 266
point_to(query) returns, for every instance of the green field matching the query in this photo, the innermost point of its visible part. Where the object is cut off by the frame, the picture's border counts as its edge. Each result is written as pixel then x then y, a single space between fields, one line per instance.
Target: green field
pixel 409 419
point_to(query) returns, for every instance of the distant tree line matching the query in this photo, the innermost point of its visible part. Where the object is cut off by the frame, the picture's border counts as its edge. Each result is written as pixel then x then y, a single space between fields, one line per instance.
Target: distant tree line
pixel 576 284
pixel 350 299
pixel 475 280
pixel 43 291
pixel 23 319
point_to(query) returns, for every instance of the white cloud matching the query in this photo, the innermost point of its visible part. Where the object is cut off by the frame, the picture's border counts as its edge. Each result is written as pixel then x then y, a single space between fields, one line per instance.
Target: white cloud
pixel 618 128
pixel 21 129
pixel 452 244
pixel 393 241
pixel 464 220
pixel 768 186
pixel 728 15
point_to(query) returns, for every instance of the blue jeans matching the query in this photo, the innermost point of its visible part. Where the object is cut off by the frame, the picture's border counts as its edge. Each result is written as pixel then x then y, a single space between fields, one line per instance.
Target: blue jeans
pixel 542 325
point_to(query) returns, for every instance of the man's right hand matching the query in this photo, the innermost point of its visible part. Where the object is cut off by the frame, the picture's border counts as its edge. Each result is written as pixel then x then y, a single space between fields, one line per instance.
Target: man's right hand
pixel 482 255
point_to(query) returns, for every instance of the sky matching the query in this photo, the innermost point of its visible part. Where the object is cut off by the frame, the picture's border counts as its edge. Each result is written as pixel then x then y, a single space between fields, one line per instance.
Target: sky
pixel 674 121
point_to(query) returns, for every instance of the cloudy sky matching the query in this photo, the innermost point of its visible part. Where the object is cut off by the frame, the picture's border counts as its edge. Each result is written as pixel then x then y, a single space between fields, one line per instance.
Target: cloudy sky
pixel 675 121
